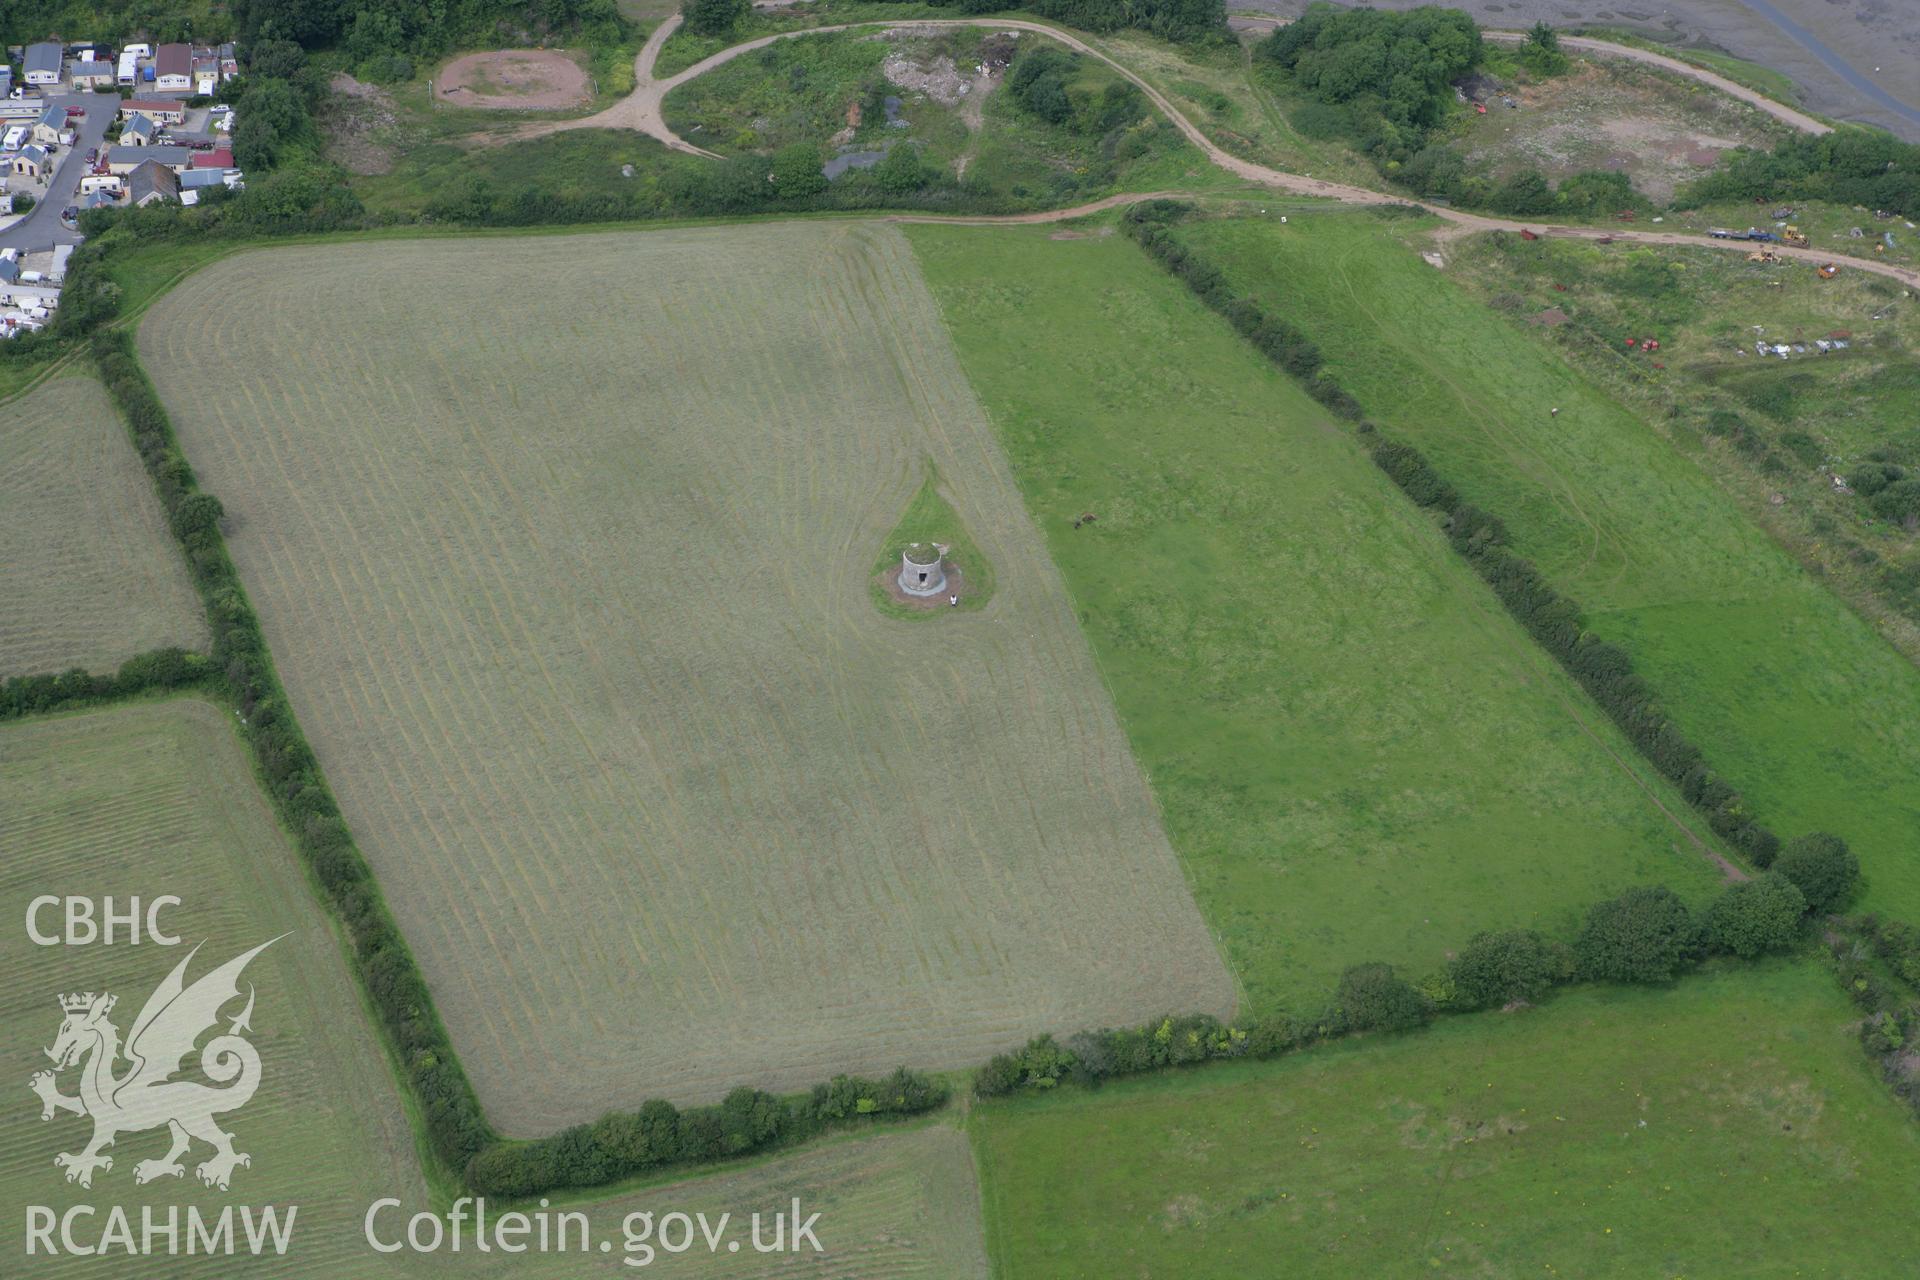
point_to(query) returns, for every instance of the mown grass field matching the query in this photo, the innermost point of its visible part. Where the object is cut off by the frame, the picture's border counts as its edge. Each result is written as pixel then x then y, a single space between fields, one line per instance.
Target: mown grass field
pixel 160 799
pixel 88 571
pixel 1358 755
pixel 1727 1127
pixel 1791 695
pixel 575 610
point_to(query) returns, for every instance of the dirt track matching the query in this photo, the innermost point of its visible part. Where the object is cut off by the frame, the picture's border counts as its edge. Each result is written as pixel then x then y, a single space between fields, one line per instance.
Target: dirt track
pixel 641 111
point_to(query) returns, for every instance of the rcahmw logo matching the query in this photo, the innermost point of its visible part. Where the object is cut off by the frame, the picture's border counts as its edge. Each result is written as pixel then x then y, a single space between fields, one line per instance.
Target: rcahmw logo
pixel 144 1095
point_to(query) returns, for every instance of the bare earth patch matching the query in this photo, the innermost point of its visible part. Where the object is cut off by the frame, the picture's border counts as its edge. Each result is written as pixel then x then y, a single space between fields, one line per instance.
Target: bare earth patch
pixel 353 121
pixel 514 79
pixel 1657 130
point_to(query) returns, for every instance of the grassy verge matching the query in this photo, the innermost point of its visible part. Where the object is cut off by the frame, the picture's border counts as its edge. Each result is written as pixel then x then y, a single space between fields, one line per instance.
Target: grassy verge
pixel 1358 755
pixel 1791 695
pixel 1728 1126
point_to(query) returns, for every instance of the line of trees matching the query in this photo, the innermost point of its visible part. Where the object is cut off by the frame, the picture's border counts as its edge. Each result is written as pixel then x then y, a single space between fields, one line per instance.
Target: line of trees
pixel 422 30
pixel 155 671
pixel 1644 936
pixel 1181 21
pixel 658 1135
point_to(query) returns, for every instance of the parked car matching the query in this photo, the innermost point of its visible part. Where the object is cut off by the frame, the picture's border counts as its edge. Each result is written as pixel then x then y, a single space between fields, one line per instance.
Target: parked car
pixel 71 215
pixel 93 155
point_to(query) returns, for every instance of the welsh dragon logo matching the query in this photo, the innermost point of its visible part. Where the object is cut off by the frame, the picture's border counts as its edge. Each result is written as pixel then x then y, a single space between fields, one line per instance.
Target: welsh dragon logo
pixel 144 1097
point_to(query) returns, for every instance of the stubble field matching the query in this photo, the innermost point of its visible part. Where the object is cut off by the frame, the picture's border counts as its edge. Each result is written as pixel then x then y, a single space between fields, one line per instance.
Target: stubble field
pixel 88 572
pixel 563 547
pixel 160 799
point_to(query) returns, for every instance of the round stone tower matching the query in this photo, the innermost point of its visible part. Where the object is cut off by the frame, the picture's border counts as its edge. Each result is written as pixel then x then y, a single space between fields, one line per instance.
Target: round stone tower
pixel 920 571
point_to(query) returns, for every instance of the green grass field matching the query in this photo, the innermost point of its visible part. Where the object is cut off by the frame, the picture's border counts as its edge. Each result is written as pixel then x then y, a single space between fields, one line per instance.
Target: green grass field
pixel 160 799
pixel 1358 755
pixel 575 610
pixel 1728 1127
pixel 1791 695
pixel 88 571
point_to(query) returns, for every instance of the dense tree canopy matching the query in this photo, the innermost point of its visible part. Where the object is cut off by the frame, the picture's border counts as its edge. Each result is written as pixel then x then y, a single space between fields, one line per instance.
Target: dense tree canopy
pixel 1177 20
pixel 417 27
pixel 1644 935
pixel 1407 61
pixel 1756 916
pixel 1850 166
pixel 1824 869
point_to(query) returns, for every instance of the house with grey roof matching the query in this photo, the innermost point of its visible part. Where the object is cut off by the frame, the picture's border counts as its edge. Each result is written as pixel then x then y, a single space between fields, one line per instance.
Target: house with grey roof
pixel 139 131
pixel 31 162
pixel 51 124
pixel 91 73
pixel 125 159
pixel 43 63
pixel 151 181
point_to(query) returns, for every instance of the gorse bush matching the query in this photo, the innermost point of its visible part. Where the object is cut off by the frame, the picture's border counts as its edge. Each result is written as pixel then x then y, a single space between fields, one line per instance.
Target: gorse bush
pixel 1756 916
pixel 1495 969
pixel 1645 935
pixel 1823 868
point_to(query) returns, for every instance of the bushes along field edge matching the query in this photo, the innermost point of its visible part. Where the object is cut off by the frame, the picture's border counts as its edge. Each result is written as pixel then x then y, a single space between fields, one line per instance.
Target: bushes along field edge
pixel 456 1127
pixel 155 671
pixel 1644 936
